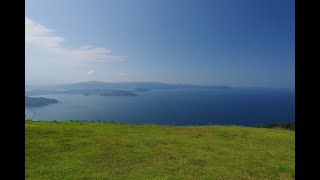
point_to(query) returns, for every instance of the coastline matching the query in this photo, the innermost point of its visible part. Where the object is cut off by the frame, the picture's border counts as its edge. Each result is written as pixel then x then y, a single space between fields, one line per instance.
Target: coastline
pixel 29 112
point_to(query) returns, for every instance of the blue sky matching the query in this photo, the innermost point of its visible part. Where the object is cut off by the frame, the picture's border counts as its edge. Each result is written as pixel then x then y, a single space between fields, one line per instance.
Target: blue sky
pixel 221 42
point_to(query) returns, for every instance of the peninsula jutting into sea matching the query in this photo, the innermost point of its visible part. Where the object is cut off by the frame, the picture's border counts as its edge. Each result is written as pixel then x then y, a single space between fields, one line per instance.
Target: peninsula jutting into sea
pixel 39 101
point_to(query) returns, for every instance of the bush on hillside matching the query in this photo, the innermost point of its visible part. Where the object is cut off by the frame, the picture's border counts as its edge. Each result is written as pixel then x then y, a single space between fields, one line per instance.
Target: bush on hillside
pixel 290 125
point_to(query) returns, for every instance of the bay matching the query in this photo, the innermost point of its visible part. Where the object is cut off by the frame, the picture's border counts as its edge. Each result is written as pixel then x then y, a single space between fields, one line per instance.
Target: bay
pixel 189 106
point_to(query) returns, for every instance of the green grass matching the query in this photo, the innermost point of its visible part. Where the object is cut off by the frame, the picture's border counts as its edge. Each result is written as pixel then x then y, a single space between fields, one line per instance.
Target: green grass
pixel 93 150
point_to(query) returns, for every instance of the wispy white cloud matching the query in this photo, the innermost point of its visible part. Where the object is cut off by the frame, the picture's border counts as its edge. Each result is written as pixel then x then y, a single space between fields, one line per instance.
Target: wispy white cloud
pixel 43 37
pixel 92 72
pixel 123 74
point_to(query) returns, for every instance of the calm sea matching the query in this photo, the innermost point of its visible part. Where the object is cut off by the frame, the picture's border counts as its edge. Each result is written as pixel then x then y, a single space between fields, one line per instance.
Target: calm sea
pixel 239 106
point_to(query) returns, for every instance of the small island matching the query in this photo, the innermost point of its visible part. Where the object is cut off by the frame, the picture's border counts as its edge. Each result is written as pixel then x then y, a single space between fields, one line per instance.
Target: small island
pixel 141 90
pixel 38 102
pixel 109 92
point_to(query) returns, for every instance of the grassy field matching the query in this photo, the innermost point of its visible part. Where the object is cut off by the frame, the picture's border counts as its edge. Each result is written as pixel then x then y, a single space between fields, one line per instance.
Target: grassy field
pixel 93 150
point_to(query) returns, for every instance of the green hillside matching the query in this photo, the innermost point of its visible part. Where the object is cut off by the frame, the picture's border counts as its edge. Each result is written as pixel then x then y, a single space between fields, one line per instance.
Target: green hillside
pixel 93 150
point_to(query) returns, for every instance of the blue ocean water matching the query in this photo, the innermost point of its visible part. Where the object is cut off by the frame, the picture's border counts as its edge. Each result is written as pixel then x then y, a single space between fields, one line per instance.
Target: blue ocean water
pixel 238 106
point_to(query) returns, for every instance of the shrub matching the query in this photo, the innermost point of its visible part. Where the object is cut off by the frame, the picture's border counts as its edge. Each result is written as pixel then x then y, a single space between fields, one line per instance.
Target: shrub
pixel 271 125
pixel 290 125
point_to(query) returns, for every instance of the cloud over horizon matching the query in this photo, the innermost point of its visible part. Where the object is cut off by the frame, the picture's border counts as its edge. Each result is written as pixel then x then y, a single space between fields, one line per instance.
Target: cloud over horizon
pixel 92 72
pixel 43 37
pixel 122 74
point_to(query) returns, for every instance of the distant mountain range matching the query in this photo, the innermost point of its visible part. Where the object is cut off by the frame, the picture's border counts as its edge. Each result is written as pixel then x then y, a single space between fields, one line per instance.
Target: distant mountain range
pixel 133 86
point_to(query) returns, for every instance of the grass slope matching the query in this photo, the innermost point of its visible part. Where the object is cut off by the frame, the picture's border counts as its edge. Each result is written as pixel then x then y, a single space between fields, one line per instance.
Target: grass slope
pixel 80 150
